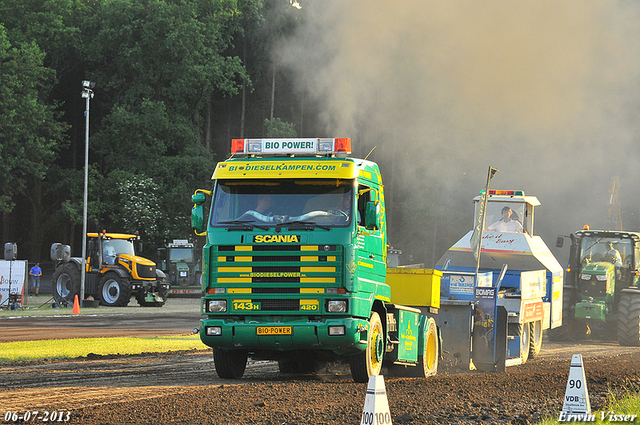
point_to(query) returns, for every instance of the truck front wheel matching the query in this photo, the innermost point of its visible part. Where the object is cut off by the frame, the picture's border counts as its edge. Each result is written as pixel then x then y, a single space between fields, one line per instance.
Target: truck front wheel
pixel 114 291
pixel 65 284
pixel 229 364
pixel 369 362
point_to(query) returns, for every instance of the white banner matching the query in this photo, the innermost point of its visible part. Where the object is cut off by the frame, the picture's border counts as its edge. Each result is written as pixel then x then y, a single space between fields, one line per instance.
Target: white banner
pixel 12 274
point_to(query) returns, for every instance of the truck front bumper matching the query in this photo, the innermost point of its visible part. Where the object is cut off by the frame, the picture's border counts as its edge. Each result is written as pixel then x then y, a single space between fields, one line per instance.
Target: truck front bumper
pixel 343 336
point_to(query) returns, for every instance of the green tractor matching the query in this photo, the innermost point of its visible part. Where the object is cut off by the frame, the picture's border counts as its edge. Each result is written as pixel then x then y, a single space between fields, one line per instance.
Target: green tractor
pixel 601 297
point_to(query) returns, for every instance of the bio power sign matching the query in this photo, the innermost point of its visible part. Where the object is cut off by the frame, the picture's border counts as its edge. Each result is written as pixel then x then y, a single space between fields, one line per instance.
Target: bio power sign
pixel 13 276
pixel 284 146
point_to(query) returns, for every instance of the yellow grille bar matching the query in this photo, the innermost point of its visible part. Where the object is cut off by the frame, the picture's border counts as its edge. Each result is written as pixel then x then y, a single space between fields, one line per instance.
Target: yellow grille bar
pixel 317 269
pixel 317 280
pixel 234 280
pixel 239 290
pixel 235 269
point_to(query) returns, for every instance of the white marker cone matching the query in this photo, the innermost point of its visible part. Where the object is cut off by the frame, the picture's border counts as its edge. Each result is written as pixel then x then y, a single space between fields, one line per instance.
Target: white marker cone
pixel 376 406
pixel 576 396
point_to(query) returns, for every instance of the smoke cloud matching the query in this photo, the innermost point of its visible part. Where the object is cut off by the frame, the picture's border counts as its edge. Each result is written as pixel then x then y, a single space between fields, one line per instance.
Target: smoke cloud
pixel 547 92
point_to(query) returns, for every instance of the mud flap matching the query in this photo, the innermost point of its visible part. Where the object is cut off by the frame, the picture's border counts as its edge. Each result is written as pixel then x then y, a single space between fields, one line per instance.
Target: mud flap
pixel 490 334
pixel 502 318
pixel 483 346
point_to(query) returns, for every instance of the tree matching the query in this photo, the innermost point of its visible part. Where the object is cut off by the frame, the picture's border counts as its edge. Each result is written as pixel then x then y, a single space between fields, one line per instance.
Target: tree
pixel 30 132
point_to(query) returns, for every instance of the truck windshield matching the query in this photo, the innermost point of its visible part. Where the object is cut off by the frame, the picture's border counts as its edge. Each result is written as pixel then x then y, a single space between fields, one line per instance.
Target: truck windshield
pixel 599 248
pixel 322 202
pixel 181 255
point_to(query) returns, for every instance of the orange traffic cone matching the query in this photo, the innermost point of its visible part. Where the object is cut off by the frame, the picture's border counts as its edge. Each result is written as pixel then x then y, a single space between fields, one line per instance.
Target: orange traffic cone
pixel 76 306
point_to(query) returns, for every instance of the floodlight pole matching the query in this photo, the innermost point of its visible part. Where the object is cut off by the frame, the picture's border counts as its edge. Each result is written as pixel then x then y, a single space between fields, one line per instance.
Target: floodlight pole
pixel 87 93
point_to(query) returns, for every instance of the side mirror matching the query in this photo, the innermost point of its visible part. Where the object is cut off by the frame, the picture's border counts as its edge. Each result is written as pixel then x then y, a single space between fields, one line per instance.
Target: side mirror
pixel 560 241
pixel 198 198
pixel 197 216
pixel 371 218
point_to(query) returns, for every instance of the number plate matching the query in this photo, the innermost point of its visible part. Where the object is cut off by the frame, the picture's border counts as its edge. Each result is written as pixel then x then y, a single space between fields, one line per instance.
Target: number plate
pixel 274 330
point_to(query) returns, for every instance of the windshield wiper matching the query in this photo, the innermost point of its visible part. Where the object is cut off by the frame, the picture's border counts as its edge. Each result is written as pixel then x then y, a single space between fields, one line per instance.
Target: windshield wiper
pixel 243 225
pixel 305 225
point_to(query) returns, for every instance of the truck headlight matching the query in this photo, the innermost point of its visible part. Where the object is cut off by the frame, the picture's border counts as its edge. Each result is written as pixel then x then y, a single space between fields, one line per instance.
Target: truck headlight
pixel 213 330
pixel 217 306
pixel 337 306
pixel 183 274
pixel 336 330
pixel 601 277
pixel 585 276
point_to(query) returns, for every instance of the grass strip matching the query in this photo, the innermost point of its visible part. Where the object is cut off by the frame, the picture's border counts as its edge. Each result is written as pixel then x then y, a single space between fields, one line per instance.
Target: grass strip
pixel 81 347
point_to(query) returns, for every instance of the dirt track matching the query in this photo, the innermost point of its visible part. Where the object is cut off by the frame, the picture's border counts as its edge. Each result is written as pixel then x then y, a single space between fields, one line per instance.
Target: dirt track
pixel 182 388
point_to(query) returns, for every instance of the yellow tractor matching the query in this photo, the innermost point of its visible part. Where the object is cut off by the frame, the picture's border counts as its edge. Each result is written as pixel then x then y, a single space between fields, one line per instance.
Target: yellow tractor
pixel 113 273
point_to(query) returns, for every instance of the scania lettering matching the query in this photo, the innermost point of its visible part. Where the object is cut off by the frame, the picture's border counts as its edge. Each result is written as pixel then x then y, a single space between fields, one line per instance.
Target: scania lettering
pixel 294 265
pixel 276 238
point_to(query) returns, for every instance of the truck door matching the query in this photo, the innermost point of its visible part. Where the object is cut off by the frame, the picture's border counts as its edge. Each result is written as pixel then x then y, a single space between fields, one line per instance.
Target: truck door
pixel 371 241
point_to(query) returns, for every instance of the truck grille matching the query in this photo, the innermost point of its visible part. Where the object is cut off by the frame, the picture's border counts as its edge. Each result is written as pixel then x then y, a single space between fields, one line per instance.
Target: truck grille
pixel 255 273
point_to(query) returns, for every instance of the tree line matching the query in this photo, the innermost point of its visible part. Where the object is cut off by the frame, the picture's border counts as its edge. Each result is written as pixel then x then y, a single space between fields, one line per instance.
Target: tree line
pixel 175 81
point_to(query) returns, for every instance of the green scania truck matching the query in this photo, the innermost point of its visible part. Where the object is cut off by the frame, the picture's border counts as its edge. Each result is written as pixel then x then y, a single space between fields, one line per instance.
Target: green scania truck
pixel 294 265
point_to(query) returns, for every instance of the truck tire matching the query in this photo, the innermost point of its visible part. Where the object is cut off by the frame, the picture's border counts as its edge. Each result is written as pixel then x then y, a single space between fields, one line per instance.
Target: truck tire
pixel 65 283
pixel 369 362
pixel 429 359
pixel 229 364
pixel 629 318
pixel 114 291
pixel 535 335
pixel 525 341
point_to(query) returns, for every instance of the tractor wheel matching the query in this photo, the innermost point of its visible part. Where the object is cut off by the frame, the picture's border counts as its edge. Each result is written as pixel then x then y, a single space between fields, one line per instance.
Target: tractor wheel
pixel 629 318
pixel 563 332
pixel 525 338
pixel 65 284
pixel 369 362
pixel 229 364
pixel 535 335
pixel 114 291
